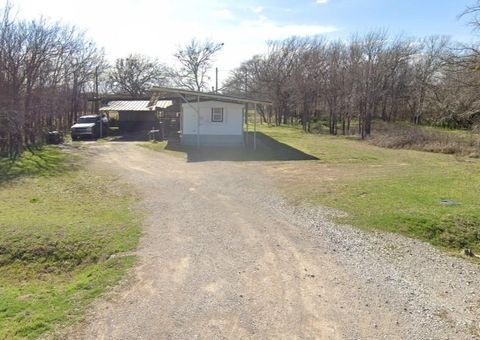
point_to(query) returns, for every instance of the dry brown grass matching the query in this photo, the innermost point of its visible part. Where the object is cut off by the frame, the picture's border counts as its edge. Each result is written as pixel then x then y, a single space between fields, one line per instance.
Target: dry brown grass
pixel 404 136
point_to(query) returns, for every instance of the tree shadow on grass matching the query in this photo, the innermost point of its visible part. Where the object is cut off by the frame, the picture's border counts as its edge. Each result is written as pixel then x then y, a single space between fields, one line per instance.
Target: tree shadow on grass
pixel 268 149
pixel 43 161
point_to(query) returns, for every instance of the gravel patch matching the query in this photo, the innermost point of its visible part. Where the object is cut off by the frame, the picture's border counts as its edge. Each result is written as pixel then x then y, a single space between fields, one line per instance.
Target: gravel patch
pixel 224 256
pixel 436 294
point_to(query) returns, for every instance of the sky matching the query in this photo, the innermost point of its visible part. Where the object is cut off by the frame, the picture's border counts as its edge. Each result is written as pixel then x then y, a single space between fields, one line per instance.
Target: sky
pixel 157 28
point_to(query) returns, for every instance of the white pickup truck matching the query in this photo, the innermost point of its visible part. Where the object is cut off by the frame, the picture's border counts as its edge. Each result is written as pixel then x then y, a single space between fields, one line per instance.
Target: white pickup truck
pixel 91 126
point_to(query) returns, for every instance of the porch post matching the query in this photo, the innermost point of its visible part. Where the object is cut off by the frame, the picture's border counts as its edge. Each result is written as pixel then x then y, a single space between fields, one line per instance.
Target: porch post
pixel 246 122
pixel 198 121
pixel 255 128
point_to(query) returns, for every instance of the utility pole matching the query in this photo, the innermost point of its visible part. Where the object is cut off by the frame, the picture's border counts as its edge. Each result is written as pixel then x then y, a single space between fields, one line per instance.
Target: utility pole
pixel 96 101
pixel 216 73
pixel 246 82
pixel 96 90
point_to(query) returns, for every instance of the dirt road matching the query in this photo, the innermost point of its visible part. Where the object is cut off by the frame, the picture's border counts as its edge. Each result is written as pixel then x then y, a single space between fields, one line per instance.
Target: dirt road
pixel 222 257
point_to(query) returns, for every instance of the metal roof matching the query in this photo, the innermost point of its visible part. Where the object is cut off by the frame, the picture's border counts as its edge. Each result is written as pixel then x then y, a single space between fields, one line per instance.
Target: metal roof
pixel 163 104
pixel 135 105
pixel 217 96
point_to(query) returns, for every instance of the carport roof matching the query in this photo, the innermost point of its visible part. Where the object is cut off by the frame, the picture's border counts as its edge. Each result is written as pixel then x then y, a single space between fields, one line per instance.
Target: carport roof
pixel 135 105
pixel 160 90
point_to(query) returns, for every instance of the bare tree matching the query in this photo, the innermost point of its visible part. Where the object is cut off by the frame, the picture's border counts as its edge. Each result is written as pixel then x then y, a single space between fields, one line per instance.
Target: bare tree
pixel 369 77
pixel 426 73
pixel 45 73
pixel 473 13
pixel 195 61
pixel 136 74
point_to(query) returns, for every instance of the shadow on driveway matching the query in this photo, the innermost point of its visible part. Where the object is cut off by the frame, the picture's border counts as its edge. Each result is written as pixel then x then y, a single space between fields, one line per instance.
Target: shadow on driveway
pixel 268 149
pixel 139 136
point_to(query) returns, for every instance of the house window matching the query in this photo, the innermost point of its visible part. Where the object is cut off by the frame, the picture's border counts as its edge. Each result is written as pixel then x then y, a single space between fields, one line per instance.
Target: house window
pixel 217 114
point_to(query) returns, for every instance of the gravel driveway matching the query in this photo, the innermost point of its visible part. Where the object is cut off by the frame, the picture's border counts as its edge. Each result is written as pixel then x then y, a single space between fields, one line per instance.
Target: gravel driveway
pixel 223 257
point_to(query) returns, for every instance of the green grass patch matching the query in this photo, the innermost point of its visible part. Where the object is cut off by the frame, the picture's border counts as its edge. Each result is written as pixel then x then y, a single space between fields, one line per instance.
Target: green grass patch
pixel 328 149
pixel 392 190
pixel 43 161
pixel 59 226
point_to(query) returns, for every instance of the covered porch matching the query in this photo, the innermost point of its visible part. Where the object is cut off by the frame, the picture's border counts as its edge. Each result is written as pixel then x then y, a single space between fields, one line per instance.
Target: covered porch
pixel 228 120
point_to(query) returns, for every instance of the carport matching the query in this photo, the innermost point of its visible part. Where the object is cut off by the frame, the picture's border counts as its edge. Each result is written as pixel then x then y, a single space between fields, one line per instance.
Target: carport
pixel 196 102
pixel 136 115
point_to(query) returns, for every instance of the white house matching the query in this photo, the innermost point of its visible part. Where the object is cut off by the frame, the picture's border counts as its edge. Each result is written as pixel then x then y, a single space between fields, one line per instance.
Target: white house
pixel 210 119
pixel 219 123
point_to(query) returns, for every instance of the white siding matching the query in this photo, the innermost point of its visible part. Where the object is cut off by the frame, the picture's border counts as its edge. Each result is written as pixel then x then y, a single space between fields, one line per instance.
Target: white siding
pixel 232 119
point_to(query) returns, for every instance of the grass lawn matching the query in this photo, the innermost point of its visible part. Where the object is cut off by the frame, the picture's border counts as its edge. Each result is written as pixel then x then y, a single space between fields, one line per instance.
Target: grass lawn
pixel 393 190
pixel 59 225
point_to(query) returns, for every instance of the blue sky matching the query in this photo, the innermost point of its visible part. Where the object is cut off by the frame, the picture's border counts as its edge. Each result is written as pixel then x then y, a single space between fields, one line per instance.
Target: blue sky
pixel 157 27
pixel 412 17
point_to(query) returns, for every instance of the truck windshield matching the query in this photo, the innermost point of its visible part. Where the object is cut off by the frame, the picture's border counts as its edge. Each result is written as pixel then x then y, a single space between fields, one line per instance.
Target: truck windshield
pixel 87 120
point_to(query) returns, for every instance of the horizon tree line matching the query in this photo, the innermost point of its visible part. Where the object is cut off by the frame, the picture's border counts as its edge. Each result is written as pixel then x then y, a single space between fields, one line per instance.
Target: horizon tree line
pixel 48 71
pixel 374 76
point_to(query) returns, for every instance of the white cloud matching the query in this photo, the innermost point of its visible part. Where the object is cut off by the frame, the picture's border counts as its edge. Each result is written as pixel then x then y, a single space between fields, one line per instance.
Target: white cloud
pixel 223 14
pixel 321 2
pixel 158 27
pixel 258 9
pixel 268 30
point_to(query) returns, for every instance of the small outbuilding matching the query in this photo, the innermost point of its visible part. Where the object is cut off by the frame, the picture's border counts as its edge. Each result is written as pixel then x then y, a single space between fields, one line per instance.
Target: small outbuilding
pixel 211 119
pixel 137 115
